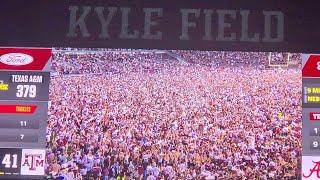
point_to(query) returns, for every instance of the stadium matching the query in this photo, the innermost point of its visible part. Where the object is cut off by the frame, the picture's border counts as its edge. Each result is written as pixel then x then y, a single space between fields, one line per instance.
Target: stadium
pixel 174 114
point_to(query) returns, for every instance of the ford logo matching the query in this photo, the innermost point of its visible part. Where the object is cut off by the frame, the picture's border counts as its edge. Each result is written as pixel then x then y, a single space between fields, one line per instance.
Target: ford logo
pixel 16 59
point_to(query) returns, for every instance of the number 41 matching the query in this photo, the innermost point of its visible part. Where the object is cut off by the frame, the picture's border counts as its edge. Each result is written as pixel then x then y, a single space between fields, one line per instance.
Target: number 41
pixel 7 161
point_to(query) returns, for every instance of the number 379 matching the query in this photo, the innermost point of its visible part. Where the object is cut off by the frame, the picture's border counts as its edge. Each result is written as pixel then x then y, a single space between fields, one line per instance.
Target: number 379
pixel 26 91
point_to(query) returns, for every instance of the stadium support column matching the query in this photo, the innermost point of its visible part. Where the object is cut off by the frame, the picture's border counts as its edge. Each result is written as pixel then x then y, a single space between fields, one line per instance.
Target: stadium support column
pixel 310 116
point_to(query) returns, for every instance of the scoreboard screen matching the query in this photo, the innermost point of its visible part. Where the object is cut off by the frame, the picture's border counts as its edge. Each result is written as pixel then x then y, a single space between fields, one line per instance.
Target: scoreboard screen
pixel 310 115
pixel 24 97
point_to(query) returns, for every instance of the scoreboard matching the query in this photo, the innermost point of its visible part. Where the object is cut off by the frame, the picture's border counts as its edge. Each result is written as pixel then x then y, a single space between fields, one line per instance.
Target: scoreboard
pixel 310 116
pixel 24 97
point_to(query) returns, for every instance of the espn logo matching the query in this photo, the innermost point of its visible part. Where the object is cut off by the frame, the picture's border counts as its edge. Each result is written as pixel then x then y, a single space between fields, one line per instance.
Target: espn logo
pixel 32 162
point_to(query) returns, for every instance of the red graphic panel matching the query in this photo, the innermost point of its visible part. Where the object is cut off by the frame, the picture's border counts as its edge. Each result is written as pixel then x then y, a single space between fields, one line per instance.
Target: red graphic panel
pixel 24 59
pixel 312 67
pixel 315 116
pixel 17 109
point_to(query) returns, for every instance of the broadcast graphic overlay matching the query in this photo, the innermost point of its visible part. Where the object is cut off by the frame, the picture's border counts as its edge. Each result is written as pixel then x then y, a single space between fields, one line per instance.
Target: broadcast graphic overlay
pixel 24 96
pixel 311 116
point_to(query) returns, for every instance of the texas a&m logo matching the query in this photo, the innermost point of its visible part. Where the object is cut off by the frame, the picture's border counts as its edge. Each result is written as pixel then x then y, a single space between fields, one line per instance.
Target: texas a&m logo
pixel 32 162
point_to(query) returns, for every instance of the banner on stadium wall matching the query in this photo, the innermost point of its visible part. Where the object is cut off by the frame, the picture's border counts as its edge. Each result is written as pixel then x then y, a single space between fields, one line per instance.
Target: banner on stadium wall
pixel 247 25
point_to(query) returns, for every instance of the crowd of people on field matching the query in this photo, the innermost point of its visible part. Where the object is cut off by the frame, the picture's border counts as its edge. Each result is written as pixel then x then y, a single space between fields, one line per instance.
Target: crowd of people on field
pixel 148 115
pixel 112 62
pixel 116 61
pixel 235 58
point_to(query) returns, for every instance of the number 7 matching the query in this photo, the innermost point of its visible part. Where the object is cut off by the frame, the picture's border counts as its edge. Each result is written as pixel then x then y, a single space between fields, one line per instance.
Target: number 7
pixel 26 91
